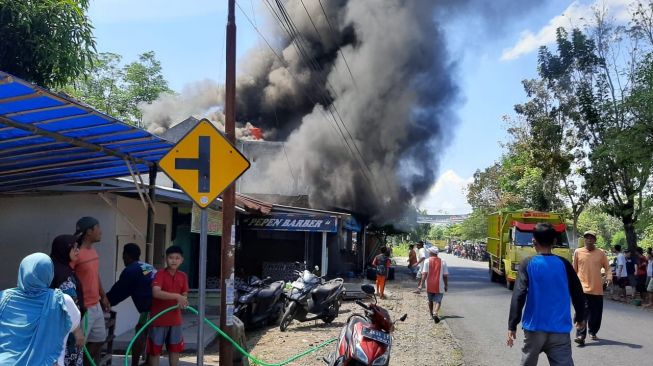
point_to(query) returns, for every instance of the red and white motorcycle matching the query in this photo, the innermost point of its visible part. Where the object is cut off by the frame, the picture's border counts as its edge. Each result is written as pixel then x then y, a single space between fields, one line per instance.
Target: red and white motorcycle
pixel 366 338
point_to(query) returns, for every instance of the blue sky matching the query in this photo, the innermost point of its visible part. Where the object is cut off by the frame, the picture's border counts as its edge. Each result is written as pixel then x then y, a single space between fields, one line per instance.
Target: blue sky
pixel 188 38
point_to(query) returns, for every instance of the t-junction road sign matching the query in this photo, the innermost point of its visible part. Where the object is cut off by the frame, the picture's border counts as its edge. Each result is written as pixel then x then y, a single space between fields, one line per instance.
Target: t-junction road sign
pixel 203 163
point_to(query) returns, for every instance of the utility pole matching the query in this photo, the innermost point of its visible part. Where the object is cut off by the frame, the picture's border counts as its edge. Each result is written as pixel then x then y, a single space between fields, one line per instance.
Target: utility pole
pixel 229 195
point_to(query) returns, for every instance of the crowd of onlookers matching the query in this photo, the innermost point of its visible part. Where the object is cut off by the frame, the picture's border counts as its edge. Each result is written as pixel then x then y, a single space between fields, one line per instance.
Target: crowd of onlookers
pixel 59 304
pixel 632 271
pixel 467 250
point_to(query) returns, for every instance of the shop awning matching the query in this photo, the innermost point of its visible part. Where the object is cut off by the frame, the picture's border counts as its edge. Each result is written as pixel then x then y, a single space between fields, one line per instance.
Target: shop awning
pixel 47 139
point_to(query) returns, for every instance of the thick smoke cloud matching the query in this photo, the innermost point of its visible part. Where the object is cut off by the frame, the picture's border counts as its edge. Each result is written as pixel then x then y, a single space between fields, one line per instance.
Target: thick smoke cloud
pixel 398 106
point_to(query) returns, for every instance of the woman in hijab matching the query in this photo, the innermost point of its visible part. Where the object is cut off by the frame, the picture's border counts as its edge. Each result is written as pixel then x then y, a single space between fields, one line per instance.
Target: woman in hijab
pixel 64 251
pixel 33 316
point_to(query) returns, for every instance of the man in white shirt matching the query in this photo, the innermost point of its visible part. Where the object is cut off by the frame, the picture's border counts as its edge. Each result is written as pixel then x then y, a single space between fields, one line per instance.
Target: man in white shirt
pixel 436 276
pixel 421 257
pixel 621 273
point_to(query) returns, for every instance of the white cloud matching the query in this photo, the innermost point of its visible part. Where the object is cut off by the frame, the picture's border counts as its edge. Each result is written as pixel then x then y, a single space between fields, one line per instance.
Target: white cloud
pixel 576 15
pixel 447 195
pixel 119 11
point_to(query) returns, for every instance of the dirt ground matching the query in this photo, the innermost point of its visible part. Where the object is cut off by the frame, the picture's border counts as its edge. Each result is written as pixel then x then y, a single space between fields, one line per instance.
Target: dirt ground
pixel 418 341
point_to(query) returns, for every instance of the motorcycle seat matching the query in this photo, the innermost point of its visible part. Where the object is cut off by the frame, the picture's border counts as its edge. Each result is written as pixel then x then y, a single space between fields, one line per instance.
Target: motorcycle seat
pixel 327 289
pixel 271 290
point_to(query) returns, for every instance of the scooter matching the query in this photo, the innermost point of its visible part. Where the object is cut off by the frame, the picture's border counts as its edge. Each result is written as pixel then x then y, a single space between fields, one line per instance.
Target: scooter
pixel 258 302
pixel 365 339
pixel 311 298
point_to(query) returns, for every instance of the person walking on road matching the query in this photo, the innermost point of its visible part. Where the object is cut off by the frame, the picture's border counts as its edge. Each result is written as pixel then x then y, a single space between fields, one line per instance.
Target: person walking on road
pixel 412 259
pixel 545 284
pixel 421 257
pixel 588 262
pixel 436 275
pixel 382 264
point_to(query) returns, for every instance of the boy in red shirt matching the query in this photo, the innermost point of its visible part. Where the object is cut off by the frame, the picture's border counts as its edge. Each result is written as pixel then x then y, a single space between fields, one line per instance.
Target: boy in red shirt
pixel 169 288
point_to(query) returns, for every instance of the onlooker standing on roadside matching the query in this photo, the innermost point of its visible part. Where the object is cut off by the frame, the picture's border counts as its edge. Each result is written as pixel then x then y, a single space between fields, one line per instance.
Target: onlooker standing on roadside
pixel 545 285
pixel 622 274
pixel 169 288
pixel 87 269
pixel 421 257
pixel 631 268
pixel 436 275
pixel 35 320
pixel 136 282
pixel 412 259
pixel 64 252
pixel 588 262
pixel 382 264
pixel 640 273
pixel 649 277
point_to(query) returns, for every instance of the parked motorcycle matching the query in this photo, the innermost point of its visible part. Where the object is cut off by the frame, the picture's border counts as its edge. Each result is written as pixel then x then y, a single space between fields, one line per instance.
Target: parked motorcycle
pixel 258 302
pixel 365 339
pixel 311 298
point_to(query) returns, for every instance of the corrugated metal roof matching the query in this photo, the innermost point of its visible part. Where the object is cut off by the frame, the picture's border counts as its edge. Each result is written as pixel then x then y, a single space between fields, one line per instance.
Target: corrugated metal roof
pixel 47 139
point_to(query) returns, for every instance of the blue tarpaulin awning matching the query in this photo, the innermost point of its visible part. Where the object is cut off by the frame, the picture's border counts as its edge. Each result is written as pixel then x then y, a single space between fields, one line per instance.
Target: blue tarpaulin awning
pixel 47 139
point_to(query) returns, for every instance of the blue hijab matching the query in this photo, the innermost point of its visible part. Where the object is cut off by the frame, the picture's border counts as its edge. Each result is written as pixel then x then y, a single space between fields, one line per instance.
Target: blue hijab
pixel 33 317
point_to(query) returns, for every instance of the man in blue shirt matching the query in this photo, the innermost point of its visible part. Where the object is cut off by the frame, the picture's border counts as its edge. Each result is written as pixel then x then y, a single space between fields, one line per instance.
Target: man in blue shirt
pixel 136 282
pixel 545 285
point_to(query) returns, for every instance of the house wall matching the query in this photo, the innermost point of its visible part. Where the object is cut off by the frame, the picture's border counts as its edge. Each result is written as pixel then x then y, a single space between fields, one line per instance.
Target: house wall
pixel 29 224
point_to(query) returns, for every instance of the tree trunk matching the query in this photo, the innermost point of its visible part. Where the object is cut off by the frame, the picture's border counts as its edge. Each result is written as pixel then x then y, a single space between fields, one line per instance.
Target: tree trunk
pixel 629 229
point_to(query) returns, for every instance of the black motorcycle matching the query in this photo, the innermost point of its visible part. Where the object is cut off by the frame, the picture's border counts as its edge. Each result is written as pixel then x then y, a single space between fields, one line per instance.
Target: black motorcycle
pixel 258 302
pixel 311 298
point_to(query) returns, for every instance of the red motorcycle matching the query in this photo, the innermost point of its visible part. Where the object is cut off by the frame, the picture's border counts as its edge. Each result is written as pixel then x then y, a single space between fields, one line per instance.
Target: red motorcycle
pixel 365 339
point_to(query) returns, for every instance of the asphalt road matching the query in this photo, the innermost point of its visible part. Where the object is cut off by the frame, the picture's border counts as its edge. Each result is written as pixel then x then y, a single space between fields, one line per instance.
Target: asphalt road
pixel 477 312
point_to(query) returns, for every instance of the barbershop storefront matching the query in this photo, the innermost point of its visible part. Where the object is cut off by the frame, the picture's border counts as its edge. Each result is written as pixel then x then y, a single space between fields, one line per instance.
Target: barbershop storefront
pixel 270 245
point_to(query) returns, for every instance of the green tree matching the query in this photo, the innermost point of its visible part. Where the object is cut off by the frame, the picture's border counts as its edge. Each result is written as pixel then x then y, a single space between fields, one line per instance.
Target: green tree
pixel 144 83
pixel 475 226
pixel 618 163
pixel 48 42
pixel 436 232
pixel 119 90
pixel 606 226
pixel 102 85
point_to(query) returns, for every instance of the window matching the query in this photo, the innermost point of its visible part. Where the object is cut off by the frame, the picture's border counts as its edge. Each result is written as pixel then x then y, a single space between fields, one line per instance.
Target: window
pixel 525 238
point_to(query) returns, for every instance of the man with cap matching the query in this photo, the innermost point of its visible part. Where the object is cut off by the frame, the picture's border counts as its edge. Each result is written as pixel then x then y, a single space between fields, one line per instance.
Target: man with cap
pixel 436 275
pixel 87 269
pixel 588 262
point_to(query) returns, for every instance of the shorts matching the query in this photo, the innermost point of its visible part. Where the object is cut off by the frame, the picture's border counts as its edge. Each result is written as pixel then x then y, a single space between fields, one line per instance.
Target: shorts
pixel 94 327
pixel 622 282
pixel 435 297
pixel 172 337
pixel 649 287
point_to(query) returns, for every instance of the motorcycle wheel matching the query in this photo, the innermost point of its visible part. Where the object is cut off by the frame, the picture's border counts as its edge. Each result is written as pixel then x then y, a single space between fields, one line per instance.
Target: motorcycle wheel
pixel 288 316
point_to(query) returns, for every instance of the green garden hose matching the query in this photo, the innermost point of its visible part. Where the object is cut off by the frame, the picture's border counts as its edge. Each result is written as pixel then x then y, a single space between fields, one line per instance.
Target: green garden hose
pixel 225 336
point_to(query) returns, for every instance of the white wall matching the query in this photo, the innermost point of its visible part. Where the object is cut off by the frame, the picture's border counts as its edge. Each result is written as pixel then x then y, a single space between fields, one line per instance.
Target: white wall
pixel 28 224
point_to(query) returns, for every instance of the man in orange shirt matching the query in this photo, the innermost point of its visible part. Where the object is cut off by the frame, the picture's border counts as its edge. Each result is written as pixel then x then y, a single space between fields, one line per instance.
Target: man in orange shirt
pixel 87 269
pixel 588 262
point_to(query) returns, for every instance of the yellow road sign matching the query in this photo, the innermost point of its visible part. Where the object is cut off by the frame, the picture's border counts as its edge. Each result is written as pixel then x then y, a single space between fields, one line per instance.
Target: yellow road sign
pixel 203 163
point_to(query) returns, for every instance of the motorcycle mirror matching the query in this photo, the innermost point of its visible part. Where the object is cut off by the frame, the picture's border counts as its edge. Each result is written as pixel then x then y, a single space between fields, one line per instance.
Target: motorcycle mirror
pixel 403 318
pixel 368 289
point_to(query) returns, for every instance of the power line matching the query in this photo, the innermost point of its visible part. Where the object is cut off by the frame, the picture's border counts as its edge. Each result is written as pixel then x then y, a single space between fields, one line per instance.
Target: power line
pixel 295 35
pixel 311 19
pixel 289 27
pixel 333 35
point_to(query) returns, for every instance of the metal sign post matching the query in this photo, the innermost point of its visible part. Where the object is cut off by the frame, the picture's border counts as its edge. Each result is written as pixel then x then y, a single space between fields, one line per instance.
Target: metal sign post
pixel 202 288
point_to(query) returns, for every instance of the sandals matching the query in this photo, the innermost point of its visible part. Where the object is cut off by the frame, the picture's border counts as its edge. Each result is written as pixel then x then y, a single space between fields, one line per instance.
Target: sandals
pixel 436 319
